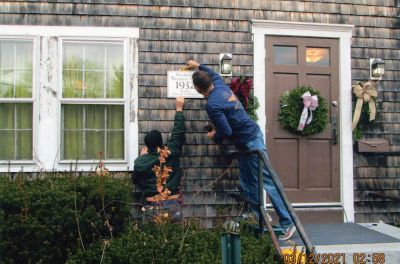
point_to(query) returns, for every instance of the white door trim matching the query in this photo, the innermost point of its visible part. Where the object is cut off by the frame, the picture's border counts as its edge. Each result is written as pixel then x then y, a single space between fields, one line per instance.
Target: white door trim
pixel 261 28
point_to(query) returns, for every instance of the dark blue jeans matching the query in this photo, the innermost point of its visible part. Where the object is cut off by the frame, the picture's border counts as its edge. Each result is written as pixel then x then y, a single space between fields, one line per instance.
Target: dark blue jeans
pixel 248 165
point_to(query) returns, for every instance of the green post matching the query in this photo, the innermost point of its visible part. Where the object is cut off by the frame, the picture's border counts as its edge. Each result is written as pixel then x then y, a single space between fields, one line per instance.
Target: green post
pixel 230 244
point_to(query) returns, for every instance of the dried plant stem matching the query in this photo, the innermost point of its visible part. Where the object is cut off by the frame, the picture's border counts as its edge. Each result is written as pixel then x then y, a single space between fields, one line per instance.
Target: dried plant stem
pixel 184 236
pixel 109 227
pixel 76 209
pixel 21 188
pixel 211 183
pixel 105 244
pixel 196 193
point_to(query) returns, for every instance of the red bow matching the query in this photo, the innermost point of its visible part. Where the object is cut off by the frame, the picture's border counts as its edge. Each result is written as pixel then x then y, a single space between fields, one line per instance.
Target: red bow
pixel 242 86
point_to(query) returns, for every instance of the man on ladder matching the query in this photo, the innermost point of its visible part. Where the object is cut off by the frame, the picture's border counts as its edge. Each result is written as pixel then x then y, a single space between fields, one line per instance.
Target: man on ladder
pixel 231 121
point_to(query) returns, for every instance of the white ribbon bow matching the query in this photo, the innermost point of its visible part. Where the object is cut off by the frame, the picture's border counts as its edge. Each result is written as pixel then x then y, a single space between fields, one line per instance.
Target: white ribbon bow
pixel 310 103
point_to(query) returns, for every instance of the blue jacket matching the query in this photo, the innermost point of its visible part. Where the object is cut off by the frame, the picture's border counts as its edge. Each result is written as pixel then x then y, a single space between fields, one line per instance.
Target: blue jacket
pixel 227 113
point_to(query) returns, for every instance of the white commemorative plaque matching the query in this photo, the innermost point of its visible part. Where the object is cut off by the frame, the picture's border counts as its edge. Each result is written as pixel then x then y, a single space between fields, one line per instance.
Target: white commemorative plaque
pixel 180 84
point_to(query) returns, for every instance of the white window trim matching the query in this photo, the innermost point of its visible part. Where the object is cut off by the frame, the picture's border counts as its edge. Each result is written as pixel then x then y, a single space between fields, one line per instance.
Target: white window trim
pixel 102 101
pixel 46 95
pixel 261 28
pixel 9 165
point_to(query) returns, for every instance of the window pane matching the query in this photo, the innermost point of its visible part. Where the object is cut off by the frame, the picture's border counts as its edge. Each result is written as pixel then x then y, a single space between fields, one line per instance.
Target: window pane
pixel 73 117
pixel 6 54
pixel 73 148
pixel 115 84
pixel 115 58
pixel 24 116
pixel 7 145
pixel 285 55
pixel 6 116
pixel 317 56
pixel 16 72
pixel 101 67
pixel 115 117
pixel 6 83
pixel 95 57
pixel 95 115
pixel 94 82
pixel 23 83
pixel 95 141
pixel 24 145
pixel 115 144
pixel 73 84
pixel 16 131
pixel 23 55
pixel 72 56
pixel 99 122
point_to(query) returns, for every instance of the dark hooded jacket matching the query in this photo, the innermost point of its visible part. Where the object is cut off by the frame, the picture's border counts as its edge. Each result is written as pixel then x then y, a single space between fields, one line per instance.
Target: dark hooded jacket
pixel 143 176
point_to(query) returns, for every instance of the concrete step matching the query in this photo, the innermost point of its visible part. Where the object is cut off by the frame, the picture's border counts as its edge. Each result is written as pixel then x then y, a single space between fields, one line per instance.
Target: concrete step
pixel 376 243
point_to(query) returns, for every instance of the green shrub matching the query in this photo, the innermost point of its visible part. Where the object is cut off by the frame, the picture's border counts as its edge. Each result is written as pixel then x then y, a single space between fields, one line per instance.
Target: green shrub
pixel 161 244
pixel 38 224
pixel 38 220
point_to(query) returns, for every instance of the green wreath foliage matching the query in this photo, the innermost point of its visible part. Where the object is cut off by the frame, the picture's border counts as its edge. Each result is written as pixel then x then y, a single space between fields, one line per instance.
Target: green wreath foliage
pixel 363 124
pixel 292 107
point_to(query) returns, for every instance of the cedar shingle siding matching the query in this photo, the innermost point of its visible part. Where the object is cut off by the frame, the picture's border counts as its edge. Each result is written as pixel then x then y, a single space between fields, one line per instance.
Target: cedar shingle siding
pixel 172 31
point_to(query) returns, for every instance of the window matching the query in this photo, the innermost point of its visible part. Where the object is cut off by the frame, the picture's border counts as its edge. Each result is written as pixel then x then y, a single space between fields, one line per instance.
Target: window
pixel 68 95
pixel 92 129
pixel 317 56
pixel 285 55
pixel 16 102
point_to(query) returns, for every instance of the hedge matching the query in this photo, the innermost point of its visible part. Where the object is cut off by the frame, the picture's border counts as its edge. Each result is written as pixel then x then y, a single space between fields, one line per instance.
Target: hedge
pixel 44 220
pixel 38 220
pixel 173 244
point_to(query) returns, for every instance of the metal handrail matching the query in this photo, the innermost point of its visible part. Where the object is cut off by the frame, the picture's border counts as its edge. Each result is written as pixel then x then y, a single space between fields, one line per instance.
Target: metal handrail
pixel 275 179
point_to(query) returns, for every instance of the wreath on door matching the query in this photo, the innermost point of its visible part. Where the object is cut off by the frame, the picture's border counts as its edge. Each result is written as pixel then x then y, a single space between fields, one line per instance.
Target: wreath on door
pixel 303 111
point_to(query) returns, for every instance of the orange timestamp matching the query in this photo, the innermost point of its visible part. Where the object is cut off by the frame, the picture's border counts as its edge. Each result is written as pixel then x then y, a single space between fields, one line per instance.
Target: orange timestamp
pixel 334 258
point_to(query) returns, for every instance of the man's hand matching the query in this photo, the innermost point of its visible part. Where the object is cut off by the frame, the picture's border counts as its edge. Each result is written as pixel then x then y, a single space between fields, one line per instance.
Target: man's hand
pixel 211 134
pixel 180 101
pixel 192 64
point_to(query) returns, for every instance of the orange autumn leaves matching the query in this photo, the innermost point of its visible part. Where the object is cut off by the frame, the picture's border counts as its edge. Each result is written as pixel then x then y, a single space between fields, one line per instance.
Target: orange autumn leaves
pixel 162 173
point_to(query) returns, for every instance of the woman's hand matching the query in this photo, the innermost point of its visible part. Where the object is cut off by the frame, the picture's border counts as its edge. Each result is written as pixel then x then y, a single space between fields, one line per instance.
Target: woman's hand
pixel 180 101
pixel 144 151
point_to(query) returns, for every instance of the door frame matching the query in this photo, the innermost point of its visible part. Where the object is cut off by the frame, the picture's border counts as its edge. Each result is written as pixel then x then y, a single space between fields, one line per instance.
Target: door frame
pixel 262 28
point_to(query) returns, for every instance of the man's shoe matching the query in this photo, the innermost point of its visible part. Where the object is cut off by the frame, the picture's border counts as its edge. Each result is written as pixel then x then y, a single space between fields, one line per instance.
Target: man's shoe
pixel 287 232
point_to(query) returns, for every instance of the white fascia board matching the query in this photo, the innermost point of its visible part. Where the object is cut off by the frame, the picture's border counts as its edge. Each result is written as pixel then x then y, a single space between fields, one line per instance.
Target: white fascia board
pixel 317 29
pixel 66 31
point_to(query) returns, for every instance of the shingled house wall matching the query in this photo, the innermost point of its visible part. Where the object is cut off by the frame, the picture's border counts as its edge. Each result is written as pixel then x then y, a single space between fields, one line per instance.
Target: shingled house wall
pixel 172 31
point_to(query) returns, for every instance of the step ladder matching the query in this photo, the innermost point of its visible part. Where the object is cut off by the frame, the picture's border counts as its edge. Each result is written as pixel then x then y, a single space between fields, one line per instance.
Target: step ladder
pixel 263 162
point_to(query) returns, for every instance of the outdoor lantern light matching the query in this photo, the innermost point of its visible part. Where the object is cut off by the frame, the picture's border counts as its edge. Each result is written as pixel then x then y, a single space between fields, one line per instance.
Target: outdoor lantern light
pixel 377 68
pixel 225 64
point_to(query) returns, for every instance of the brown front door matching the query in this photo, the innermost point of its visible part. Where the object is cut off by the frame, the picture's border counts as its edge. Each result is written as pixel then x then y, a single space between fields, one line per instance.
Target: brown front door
pixel 308 166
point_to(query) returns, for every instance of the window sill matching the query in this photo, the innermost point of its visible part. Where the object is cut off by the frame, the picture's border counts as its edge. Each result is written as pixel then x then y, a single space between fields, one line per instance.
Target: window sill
pixel 91 162
pixel 63 166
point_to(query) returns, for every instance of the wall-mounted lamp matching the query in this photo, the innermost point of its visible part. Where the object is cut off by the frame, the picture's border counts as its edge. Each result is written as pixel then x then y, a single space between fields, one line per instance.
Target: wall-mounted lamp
pixel 225 64
pixel 377 68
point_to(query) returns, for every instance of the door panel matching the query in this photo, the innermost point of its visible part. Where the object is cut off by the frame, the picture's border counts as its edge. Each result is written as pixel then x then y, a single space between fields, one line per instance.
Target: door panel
pixel 308 166
pixel 288 166
pixel 319 164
